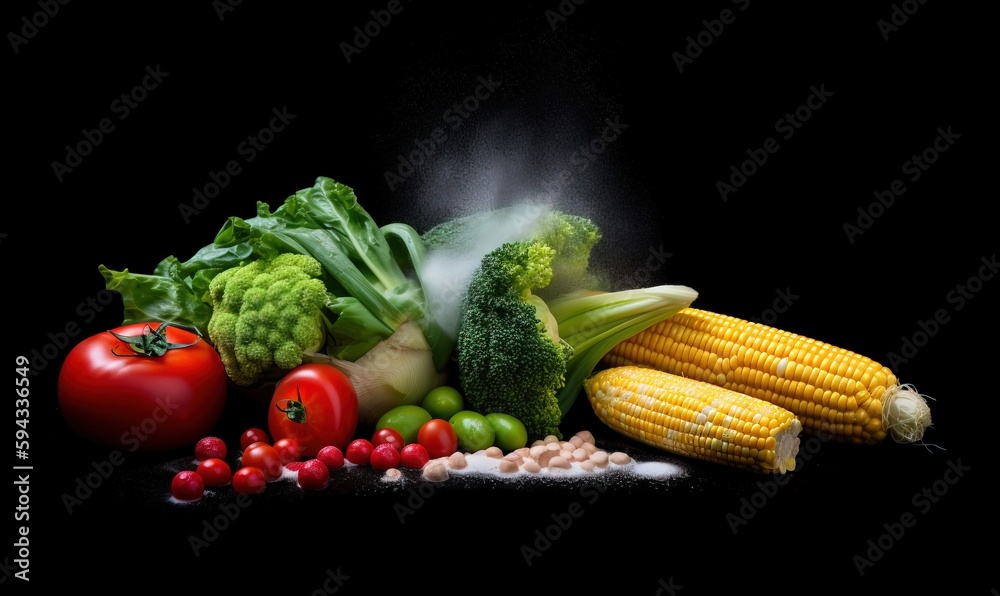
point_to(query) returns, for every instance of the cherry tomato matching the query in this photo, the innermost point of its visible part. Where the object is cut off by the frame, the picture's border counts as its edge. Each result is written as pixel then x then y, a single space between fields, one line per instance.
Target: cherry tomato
pixel 265 458
pixel 288 449
pixel 253 435
pixel 384 456
pixel 359 452
pixel 332 456
pixel 249 480
pixel 315 404
pixel 187 486
pixel 167 396
pixel 388 436
pixel 438 438
pixel 313 475
pixel 210 447
pixel 413 456
pixel 215 472
pixel 255 444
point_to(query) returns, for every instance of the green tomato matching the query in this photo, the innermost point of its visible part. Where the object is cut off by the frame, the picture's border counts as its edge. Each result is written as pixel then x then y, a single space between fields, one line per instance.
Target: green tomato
pixel 443 402
pixel 510 432
pixel 405 419
pixel 473 429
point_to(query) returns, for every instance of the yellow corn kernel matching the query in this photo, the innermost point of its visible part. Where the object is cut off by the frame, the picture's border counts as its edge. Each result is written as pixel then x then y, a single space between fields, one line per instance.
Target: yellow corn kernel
pixel 695 419
pixel 831 390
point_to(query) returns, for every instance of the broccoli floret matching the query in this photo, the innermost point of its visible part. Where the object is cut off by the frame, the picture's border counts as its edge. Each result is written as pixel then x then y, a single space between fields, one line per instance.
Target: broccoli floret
pixel 573 238
pixel 509 355
pixel 267 313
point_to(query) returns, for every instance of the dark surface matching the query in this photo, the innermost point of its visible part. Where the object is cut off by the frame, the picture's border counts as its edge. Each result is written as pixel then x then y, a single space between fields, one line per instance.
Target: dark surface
pixel 779 242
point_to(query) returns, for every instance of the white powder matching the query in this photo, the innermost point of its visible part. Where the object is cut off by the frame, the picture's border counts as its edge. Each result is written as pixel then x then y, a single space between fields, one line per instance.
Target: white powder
pixel 480 463
pixel 656 469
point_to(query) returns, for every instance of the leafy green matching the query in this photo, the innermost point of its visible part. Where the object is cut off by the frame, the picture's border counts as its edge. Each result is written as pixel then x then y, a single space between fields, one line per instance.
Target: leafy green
pixel 372 280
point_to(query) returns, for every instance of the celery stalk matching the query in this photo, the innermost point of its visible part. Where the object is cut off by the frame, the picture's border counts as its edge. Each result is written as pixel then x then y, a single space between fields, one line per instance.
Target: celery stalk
pixel 594 322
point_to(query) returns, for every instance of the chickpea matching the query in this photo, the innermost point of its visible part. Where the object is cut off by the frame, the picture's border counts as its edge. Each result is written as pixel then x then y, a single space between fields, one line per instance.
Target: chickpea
pixel 436 472
pixel 457 461
pixel 620 458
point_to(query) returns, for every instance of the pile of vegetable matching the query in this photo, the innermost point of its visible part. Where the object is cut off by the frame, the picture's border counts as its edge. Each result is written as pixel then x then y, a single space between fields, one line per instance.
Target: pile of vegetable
pixel 380 345
pixel 318 281
pixel 474 335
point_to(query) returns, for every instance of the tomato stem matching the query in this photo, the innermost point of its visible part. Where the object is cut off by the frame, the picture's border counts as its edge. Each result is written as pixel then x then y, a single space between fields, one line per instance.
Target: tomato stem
pixel 151 342
pixel 296 410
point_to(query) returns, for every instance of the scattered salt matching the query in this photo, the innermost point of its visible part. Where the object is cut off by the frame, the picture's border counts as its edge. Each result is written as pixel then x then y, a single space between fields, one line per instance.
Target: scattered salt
pixel 656 469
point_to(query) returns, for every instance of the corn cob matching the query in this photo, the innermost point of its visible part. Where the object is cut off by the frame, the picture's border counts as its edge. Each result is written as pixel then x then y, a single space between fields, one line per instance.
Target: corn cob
pixel 831 390
pixel 695 419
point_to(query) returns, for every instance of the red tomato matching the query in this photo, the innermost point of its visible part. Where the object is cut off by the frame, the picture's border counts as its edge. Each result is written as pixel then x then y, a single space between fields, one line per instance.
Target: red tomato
pixel 316 405
pixel 384 456
pixel 413 456
pixel 210 447
pixel 254 444
pixel 438 438
pixel 253 435
pixel 113 395
pixel 332 456
pixel 249 480
pixel 359 452
pixel 187 486
pixel 288 449
pixel 313 475
pixel 388 436
pixel 215 472
pixel 265 458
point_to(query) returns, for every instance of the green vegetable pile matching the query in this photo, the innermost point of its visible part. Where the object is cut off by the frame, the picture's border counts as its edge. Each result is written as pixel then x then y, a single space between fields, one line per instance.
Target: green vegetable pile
pixel 503 303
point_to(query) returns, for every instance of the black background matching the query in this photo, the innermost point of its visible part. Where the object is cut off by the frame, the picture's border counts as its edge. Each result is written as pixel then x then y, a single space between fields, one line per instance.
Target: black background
pixel 779 241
